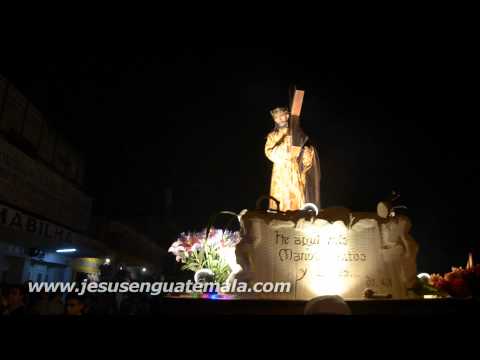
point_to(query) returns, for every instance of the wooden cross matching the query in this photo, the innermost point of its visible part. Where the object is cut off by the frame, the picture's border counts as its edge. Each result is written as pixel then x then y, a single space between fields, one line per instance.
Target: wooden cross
pixel 296 131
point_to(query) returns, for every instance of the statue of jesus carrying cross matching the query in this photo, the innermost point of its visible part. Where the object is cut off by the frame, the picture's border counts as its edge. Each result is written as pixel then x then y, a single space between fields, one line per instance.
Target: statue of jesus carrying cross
pixel 296 168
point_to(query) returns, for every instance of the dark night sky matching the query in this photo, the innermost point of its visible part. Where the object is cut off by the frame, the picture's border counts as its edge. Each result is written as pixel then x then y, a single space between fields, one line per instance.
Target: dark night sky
pixel 196 119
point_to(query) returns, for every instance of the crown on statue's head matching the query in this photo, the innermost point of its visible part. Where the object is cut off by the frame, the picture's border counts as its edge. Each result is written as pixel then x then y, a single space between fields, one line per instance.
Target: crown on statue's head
pixel 279 111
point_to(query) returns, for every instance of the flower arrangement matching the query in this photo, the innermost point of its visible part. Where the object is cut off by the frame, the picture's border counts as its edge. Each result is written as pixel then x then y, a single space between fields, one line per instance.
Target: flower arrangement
pixel 459 283
pixel 196 252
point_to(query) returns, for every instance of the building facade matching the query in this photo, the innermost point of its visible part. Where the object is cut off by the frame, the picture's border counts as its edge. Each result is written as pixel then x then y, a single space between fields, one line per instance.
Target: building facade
pixel 43 208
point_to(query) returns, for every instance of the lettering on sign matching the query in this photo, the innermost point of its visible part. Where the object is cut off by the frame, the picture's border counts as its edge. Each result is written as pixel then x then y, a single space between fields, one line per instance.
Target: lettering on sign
pixel 18 221
pixel 325 257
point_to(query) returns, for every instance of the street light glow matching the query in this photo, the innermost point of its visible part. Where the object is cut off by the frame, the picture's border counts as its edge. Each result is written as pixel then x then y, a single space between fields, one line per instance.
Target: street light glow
pixel 66 250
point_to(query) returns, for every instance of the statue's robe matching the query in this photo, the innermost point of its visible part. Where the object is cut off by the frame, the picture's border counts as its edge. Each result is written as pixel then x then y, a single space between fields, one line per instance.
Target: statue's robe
pixel 289 173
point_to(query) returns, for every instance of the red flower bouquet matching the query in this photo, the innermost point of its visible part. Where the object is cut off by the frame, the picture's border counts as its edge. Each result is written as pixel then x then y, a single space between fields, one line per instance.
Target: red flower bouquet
pixel 459 282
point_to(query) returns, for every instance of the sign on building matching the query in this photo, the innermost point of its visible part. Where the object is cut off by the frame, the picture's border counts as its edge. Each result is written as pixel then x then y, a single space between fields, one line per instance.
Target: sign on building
pixel 30 185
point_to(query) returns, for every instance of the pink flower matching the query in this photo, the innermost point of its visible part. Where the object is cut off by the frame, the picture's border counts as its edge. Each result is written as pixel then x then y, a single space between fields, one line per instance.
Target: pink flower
pixel 196 246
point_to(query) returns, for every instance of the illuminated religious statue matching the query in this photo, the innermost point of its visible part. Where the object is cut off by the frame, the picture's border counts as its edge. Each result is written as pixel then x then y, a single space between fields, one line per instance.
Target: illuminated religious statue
pixel 296 168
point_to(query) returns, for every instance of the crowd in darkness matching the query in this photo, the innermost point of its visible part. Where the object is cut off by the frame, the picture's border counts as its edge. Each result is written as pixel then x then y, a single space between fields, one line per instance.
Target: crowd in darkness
pixel 16 300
